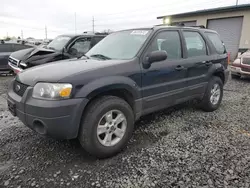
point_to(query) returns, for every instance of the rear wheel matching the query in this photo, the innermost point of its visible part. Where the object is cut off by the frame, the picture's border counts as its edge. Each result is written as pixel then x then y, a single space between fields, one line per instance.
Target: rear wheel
pixel 213 96
pixel 107 126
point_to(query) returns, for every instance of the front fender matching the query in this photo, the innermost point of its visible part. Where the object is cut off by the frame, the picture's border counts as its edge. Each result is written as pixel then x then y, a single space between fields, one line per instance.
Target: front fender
pixel 104 84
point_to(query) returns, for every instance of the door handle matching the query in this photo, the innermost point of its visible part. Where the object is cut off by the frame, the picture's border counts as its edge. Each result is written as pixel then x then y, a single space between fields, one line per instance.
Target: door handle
pixel 179 68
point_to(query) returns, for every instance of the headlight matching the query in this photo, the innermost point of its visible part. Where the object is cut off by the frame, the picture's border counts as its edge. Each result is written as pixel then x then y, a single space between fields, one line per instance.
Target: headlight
pixel 52 91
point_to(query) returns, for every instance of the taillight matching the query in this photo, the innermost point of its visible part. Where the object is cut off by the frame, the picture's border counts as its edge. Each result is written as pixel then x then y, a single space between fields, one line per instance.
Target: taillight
pixel 228 58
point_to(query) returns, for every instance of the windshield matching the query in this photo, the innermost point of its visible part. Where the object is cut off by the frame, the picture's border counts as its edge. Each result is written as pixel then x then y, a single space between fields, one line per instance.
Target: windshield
pixel 119 45
pixel 58 43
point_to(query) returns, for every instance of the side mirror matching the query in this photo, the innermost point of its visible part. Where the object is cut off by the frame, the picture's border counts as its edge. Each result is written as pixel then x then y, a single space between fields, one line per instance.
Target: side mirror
pixel 156 56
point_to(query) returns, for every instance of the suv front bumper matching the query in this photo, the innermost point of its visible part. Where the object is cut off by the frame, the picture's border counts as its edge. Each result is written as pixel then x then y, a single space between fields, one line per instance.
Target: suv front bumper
pixel 58 119
pixel 238 71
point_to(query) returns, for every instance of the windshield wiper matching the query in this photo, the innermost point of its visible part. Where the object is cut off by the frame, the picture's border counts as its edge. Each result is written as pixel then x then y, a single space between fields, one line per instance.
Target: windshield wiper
pixel 82 55
pixel 100 56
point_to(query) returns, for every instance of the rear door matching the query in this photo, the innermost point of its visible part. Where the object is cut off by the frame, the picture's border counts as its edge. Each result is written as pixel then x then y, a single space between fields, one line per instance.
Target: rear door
pixel 199 61
pixel 164 82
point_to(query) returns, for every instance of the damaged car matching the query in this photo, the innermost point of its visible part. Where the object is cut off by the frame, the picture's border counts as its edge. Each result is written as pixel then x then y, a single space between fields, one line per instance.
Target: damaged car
pixel 62 47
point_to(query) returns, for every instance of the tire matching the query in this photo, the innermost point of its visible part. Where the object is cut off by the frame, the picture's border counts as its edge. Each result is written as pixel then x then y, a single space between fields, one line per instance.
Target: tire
pixel 96 114
pixel 234 76
pixel 206 103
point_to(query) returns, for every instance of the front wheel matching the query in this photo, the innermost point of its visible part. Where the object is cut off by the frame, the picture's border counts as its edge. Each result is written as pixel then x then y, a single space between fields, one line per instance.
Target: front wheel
pixel 107 126
pixel 213 96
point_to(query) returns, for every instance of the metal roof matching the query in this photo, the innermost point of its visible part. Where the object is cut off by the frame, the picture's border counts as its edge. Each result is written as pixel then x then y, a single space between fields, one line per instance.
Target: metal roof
pixel 209 11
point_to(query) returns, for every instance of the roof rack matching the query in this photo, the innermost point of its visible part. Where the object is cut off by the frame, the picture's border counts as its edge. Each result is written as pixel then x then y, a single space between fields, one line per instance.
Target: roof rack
pixel 200 26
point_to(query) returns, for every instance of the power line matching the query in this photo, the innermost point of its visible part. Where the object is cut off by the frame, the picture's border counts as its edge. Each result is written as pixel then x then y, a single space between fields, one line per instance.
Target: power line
pixel 22 34
pixel 46 32
pixel 75 22
pixel 93 24
pixel 161 6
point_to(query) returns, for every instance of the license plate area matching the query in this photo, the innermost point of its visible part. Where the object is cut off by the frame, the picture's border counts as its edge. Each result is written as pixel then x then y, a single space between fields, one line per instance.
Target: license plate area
pixel 12 108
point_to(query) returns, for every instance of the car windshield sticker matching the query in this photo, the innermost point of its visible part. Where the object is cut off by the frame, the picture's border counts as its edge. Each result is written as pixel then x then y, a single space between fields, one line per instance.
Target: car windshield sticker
pixel 139 32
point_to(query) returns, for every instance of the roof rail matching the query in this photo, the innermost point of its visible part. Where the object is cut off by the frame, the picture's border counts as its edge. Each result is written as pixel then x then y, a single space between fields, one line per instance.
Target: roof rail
pixel 200 26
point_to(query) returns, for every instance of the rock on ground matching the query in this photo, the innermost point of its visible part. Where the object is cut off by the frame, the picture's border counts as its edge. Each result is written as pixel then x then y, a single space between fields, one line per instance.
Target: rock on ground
pixel 179 147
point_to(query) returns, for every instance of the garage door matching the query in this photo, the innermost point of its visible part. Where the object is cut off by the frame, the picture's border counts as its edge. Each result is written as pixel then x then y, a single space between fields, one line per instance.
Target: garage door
pixel 230 31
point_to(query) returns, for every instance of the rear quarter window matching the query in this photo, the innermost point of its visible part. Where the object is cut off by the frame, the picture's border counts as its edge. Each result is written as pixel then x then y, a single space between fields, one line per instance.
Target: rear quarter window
pixel 216 41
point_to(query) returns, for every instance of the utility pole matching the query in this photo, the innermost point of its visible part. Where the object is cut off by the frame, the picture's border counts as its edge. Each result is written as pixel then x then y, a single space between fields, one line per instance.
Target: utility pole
pixel 93 24
pixel 75 23
pixel 46 32
pixel 22 34
pixel 237 2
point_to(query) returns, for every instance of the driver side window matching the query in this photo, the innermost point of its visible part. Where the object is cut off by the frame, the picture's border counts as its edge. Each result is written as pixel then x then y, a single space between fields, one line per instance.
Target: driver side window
pixel 168 41
pixel 80 47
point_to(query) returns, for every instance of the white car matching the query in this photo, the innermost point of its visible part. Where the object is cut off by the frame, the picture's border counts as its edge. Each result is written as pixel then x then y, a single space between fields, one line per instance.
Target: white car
pixel 241 66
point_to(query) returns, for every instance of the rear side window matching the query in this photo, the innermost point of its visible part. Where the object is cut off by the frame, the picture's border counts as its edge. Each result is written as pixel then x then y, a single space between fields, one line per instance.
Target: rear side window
pixel 195 44
pixel 96 40
pixel 216 41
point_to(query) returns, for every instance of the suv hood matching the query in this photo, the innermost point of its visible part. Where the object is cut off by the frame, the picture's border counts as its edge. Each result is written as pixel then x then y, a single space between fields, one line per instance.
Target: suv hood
pixel 54 72
pixel 25 54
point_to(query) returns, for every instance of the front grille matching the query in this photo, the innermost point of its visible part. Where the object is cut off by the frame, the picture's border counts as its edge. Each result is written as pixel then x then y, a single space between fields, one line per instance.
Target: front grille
pixel 245 69
pixel 246 60
pixel 13 61
pixel 19 88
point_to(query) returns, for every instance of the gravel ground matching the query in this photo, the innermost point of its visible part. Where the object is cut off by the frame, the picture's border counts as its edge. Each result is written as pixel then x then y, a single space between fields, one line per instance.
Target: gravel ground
pixel 178 147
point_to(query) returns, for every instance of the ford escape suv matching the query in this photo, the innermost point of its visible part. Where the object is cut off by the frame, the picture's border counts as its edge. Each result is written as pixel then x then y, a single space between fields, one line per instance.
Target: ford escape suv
pixel 131 73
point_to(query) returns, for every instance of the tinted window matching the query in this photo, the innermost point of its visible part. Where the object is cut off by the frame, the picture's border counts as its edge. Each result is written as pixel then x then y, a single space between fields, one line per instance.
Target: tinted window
pixel 82 46
pixel 168 41
pixel 196 45
pixel 217 43
pixel 96 40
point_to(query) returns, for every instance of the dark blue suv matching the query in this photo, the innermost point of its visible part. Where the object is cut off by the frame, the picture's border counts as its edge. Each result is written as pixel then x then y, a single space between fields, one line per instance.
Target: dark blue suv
pixel 128 74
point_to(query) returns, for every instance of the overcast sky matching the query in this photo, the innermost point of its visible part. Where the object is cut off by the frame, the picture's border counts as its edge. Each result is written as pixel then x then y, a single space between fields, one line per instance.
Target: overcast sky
pixel 31 16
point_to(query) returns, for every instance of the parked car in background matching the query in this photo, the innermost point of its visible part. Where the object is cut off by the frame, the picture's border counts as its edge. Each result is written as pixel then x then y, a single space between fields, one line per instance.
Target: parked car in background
pixel 62 47
pixel 241 66
pixel 5 50
pixel 130 73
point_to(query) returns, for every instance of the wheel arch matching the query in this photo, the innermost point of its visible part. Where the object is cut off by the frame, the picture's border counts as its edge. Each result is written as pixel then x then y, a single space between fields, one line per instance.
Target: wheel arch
pixel 122 87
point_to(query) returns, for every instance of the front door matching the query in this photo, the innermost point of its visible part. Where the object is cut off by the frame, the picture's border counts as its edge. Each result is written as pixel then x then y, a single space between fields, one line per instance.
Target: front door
pixel 164 82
